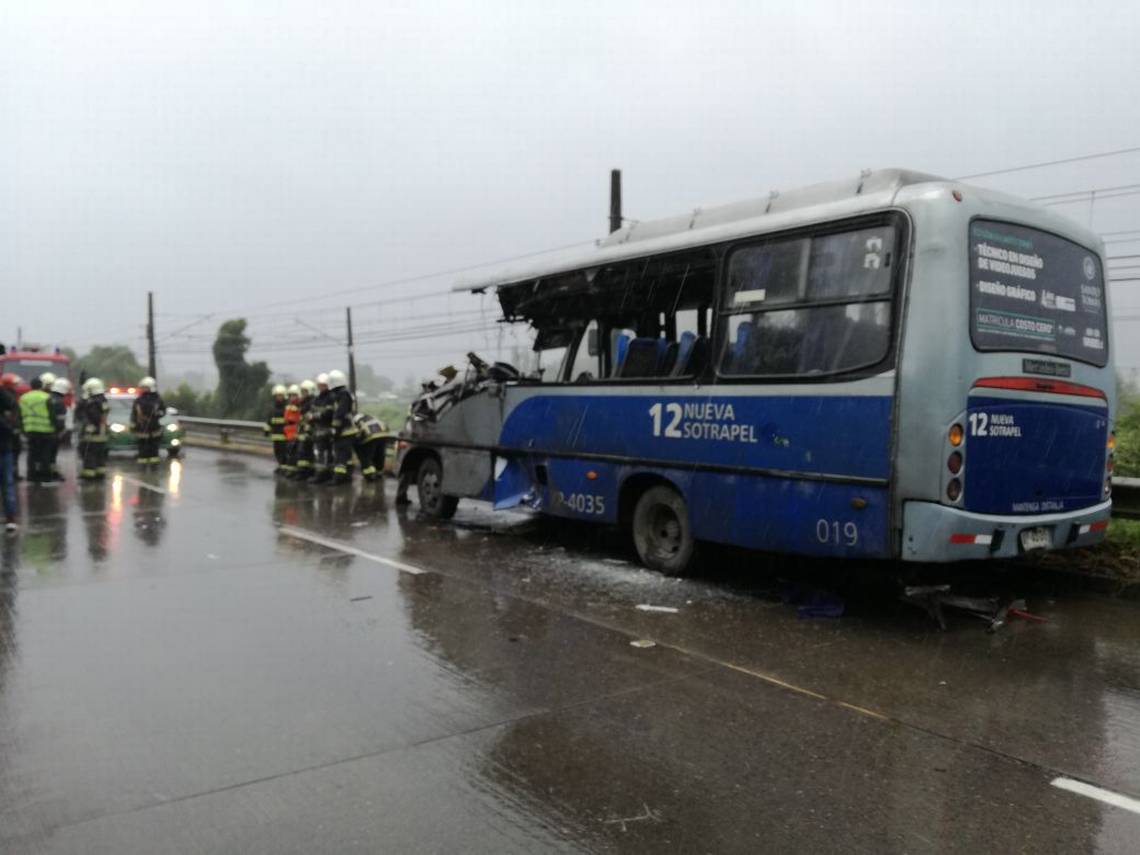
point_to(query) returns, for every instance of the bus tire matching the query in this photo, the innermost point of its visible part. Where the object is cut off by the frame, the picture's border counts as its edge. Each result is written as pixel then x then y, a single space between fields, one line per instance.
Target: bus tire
pixel 429 485
pixel 662 532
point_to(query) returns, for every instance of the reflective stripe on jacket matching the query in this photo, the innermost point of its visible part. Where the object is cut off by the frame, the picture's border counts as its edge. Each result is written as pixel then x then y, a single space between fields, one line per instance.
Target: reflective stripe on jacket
pixel 35 413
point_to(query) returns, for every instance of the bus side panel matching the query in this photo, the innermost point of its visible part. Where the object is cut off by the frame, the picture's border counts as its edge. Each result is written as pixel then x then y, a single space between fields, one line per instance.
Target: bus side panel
pixel 837 435
pixel 783 515
pixel 756 512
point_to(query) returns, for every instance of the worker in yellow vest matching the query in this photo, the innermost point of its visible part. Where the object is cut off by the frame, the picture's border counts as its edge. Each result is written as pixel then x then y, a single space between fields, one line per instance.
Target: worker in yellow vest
pixel 39 429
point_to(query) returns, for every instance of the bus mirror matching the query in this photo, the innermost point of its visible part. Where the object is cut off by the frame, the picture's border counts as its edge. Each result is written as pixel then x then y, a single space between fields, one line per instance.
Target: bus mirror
pixel 592 341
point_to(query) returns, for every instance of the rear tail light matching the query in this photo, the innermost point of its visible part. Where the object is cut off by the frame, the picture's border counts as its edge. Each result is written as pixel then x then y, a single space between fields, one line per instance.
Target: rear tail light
pixel 954 463
pixel 1112 442
pixel 956 435
pixel 954 490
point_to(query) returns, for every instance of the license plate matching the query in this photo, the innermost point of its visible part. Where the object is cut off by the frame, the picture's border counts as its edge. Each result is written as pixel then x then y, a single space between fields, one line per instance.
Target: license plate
pixel 1036 538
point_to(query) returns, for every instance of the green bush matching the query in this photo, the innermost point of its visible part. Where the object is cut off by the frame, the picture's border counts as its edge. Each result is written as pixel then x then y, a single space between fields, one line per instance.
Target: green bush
pixel 1128 437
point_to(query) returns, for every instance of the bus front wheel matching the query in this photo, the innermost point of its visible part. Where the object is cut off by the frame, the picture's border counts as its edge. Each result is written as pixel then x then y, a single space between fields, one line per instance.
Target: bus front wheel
pixel 429 485
pixel 662 533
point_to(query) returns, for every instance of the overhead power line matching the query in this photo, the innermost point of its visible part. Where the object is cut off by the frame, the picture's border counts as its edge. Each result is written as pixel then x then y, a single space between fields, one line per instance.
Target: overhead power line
pixel 412 279
pixel 1045 163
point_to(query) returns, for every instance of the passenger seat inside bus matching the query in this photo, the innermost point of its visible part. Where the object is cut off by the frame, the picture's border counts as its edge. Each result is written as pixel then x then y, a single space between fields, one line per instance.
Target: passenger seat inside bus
pixel 644 358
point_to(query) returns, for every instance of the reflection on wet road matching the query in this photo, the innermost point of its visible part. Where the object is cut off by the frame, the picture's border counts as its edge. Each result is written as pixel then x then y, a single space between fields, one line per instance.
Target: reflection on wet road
pixel 205 659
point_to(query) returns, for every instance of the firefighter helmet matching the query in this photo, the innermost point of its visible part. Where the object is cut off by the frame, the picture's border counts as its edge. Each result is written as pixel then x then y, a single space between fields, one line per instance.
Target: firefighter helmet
pixel 148 384
pixel 308 387
pixel 47 378
pixel 337 380
pixel 95 386
pixel 61 386
pixel 278 390
pixel 323 379
pixel 294 391
pixel 10 380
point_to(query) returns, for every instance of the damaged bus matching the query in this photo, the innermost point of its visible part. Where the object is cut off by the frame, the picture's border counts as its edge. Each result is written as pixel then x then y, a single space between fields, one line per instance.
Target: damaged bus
pixel 893 366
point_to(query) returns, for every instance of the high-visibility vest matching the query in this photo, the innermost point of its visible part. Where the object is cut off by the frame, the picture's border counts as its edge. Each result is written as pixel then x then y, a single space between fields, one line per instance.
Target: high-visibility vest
pixel 35 413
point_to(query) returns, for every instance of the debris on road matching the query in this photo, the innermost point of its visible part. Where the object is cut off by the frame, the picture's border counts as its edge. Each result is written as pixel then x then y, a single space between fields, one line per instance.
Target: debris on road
pixel 813 602
pixel 932 599
pixel 645 607
pixel 642 643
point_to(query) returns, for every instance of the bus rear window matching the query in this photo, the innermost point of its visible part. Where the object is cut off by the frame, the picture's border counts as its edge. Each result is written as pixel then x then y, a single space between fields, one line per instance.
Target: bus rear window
pixel 1035 292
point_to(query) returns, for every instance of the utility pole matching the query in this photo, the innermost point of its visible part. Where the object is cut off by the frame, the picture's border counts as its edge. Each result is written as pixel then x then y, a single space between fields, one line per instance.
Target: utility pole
pixel 151 368
pixel 615 200
pixel 351 356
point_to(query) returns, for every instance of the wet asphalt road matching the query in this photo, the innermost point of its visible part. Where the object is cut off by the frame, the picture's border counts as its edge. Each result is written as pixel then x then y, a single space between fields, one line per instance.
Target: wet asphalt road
pixel 182 669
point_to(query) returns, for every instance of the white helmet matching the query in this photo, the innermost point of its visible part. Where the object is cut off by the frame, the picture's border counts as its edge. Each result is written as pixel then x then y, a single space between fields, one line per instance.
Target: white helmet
pixel 308 387
pixel 148 383
pixel 294 390
pixel 278 390
pixel 322 379
pixel 337 380
pixel 47 378
pixel 85 389
pixel 61 386
pixel 95 386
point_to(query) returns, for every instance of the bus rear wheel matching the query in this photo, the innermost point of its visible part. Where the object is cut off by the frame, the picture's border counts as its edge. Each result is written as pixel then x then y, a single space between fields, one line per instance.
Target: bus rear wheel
pixel 662 533
pixel 429 485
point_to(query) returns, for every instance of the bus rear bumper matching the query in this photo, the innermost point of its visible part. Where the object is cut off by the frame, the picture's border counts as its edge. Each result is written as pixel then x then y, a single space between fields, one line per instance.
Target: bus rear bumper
pixel 933 532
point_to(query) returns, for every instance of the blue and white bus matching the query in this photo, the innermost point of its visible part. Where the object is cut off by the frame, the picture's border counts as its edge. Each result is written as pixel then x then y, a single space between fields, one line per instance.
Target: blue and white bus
pixel 895 366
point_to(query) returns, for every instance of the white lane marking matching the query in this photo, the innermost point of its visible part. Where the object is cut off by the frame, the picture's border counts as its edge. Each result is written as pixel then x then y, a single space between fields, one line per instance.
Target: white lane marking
pixel 143 484
pixel 1106 796
pixel 328 543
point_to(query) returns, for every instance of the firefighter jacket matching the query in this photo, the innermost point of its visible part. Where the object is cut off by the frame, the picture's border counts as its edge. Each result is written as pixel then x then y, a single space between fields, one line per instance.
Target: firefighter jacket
pixel 343 405
pixel 275 424
pixel 93 418
pixel 146 415
pixel 292 418
pixel 305 424
pixel 58 412
pixel 322 415
pixel 35 412
pixel 368 428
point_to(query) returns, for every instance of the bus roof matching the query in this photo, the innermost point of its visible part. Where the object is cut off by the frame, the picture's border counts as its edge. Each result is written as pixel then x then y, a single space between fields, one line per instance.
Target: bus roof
pixel 870 191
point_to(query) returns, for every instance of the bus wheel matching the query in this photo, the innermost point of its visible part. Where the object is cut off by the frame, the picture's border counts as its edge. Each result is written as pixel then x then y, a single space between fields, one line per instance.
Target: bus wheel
pixel 661 531
pixel 429 484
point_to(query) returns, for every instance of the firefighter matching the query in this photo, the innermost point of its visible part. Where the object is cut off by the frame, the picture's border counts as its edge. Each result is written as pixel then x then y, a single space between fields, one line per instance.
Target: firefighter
pixel 60 389
pixel 9 434
pixel 322 430
pixel 146 421
pixel 275 427
pixel 289 428
pixel 343 428
pixel 35 414
pixel 78 417
pixel 93 430
pixel 370 444
pixel 302 459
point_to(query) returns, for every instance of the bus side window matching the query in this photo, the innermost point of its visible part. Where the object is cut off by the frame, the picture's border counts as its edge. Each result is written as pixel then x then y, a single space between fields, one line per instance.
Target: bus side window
pixel 851 264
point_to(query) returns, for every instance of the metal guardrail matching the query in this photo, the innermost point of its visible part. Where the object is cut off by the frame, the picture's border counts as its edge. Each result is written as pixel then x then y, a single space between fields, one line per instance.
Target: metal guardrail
pixel 226 433
pixel 250 436
pixel 1126 498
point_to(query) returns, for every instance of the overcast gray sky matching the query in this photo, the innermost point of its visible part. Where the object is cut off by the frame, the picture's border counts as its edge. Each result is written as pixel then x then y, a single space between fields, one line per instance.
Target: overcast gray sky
pixel 230 155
